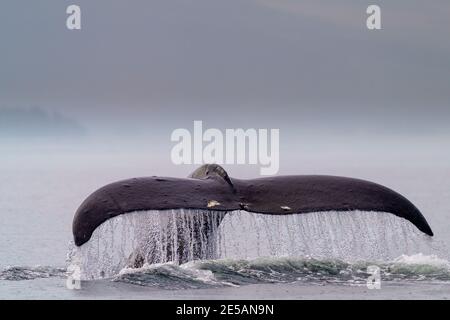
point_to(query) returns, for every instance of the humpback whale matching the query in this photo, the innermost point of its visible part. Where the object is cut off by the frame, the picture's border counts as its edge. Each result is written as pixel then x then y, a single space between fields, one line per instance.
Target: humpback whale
pixel 210 189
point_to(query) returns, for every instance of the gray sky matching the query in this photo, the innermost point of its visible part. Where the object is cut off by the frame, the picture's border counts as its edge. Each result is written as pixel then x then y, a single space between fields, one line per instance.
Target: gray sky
pixel 302 66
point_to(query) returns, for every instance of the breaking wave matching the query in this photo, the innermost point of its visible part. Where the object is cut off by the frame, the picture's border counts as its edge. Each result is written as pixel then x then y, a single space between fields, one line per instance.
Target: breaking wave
pixel 222 273
pixel 231 273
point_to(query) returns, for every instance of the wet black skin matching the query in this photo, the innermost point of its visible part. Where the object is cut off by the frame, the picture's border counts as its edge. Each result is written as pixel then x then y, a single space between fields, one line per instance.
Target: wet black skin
pixel 210 188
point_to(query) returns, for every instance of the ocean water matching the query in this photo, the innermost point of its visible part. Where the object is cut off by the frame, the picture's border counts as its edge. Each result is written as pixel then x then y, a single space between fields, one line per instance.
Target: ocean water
pixel 249 256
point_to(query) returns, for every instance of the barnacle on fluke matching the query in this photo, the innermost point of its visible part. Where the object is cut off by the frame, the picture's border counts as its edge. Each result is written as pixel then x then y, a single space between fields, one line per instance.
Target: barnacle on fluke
pixel 210 188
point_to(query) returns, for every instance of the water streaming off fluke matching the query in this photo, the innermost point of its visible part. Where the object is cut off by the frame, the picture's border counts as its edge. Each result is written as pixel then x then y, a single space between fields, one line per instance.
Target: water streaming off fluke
pixel 146 238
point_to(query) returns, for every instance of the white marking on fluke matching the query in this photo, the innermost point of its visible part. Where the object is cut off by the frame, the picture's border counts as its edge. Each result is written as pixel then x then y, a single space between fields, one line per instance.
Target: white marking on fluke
pixel 213 203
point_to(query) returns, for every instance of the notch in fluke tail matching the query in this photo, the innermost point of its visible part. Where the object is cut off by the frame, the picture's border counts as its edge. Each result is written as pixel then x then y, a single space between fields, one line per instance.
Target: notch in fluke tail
pixel 210 188
pixel 212 171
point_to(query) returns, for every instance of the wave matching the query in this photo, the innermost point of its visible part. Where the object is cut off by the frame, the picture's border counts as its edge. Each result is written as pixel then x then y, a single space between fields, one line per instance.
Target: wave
pixel 222 273
pixel 232 273
pixel 31 273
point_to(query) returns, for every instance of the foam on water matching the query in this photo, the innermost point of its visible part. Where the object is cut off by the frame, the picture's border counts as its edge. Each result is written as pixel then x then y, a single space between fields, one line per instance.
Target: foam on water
pixel 228 272
pixel 144 247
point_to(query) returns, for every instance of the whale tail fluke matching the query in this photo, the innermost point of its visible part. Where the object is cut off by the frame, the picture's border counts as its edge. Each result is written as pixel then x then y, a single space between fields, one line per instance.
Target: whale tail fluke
pixel 209 188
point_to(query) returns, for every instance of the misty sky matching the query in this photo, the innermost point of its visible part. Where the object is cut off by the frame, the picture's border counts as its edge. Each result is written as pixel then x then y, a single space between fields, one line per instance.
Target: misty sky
pixel 302 66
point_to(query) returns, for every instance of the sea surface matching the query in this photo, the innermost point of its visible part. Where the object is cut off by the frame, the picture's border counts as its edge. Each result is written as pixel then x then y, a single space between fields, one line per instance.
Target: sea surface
pixel 314 256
